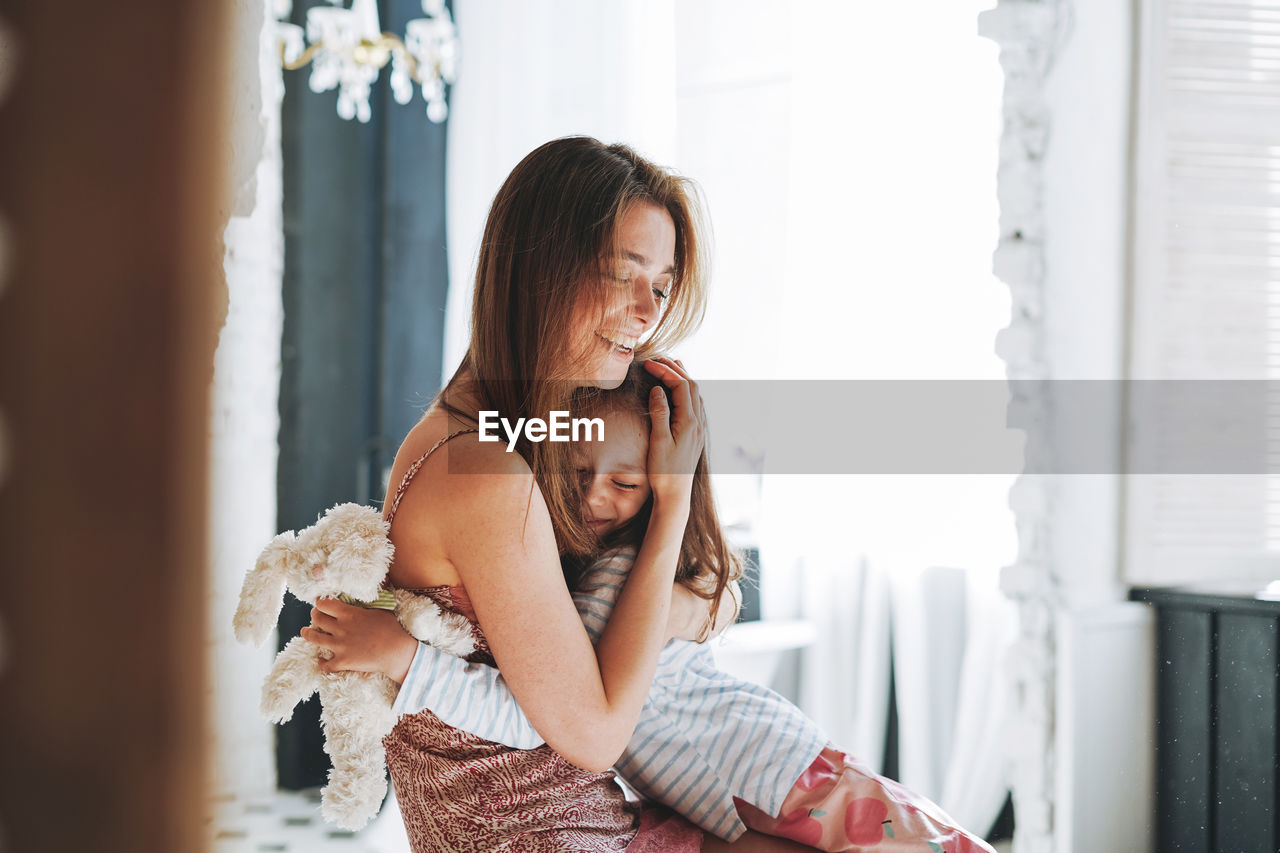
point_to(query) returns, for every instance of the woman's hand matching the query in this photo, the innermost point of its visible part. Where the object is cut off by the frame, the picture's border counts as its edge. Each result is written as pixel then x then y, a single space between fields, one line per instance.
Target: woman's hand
pixel 677 437
pixel 361 639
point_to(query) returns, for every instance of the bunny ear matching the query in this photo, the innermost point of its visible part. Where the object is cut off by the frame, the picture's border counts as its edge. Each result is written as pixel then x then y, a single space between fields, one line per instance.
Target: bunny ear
pixel 262 594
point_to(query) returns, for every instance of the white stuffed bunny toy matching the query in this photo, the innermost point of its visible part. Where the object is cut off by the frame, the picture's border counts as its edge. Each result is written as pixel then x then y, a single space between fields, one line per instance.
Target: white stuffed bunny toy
pixel 344 554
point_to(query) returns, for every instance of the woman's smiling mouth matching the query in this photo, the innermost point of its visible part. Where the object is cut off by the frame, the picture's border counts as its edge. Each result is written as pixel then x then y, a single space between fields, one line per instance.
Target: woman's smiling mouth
pixel 621 343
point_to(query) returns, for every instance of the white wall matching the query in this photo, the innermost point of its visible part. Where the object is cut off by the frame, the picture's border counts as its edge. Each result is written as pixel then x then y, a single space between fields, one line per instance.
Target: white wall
pixel 733 135
pixel 1105 779
pixel 245 397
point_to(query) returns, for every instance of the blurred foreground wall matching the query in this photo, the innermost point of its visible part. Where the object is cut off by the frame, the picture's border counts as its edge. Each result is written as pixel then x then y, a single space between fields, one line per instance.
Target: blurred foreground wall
pixel 110 299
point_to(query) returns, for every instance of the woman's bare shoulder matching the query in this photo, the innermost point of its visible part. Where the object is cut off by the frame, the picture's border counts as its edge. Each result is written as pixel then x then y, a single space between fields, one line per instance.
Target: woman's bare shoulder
pixel 461 453
pixel 466 489
pixel 463 465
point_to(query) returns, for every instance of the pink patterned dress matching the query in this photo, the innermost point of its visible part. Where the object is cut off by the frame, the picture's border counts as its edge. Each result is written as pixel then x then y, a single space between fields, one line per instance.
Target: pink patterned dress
pixel 457 791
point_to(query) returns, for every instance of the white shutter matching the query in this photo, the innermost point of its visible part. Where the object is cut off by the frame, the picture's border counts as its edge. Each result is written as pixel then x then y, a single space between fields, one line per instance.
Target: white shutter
pixel 1206 274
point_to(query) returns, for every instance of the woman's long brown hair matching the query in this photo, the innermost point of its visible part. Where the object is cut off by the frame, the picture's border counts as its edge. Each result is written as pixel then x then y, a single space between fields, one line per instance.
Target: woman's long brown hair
pixel 708 564
pixel 547 252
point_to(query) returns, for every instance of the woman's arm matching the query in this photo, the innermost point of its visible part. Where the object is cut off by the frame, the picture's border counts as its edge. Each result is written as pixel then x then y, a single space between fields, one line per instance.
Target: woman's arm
pixel 477 699
pixel 584 701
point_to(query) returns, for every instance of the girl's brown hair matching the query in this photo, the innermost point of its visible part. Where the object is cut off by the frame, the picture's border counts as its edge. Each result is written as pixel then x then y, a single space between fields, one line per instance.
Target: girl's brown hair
pixel 707 562
pixel 547 252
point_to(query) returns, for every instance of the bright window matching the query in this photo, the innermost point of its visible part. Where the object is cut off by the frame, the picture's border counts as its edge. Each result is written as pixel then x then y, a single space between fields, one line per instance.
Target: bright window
pixel 1206 286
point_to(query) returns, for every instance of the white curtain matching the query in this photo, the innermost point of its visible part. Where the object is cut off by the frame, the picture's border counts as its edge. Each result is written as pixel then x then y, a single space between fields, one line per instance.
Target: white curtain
pixel 951 630
pixel 892 216
pixel 977 777
pixel 928 646
pixel 529 73
pixel 845 679
pixel 811 568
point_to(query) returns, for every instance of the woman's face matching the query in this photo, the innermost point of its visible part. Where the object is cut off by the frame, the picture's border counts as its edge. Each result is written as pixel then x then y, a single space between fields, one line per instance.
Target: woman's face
pixel 641 274
pixel 614 483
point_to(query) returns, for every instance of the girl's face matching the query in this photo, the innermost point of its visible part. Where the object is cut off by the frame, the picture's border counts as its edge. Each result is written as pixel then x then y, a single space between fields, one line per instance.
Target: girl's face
pixel 642 274
pixel 613 472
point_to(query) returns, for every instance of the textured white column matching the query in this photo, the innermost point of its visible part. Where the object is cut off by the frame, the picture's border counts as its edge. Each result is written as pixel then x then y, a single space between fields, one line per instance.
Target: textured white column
pixel 1030 33
pixel 246 384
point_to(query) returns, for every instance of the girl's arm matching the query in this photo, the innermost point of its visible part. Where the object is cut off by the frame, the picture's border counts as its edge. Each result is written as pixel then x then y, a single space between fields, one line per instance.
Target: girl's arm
pixel 472 697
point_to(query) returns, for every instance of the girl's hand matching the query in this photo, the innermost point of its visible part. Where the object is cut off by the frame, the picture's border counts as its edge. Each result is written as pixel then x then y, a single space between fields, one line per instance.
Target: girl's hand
pixel 361 639
pixel 677 437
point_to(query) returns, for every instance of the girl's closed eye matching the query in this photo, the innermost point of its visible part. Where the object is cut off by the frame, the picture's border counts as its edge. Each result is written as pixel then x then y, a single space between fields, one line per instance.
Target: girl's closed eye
pixel 615 485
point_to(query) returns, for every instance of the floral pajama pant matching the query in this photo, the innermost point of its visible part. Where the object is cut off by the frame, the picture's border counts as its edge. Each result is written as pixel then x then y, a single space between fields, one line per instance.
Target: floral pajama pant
pixel 840 804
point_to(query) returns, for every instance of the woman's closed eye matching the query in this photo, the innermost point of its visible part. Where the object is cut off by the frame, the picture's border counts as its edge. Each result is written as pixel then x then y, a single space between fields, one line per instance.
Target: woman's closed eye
pixel 626 487
pixel 660 291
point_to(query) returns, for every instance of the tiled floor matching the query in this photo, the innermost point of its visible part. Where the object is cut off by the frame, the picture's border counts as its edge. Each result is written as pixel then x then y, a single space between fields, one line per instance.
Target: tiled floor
pixel 291 823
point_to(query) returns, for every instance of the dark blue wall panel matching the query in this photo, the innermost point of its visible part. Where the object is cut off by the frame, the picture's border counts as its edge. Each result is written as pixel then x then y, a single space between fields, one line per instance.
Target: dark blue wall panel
pixel 1218 720
pixel 364 289
pixel 1183 721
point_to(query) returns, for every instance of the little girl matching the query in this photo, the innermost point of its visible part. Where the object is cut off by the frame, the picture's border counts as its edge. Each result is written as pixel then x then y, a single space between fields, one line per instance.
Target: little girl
pixel 725 753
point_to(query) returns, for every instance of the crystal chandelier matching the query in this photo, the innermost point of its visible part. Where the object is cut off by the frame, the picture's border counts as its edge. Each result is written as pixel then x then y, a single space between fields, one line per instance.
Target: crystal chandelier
pixel 348 49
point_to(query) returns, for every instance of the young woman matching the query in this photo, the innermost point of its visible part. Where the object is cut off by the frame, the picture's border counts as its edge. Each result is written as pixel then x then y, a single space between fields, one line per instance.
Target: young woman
pixel 588 251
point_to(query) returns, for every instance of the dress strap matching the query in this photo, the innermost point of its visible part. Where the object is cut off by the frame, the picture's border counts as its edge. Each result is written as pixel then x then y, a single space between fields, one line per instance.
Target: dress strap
pixel 413 469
